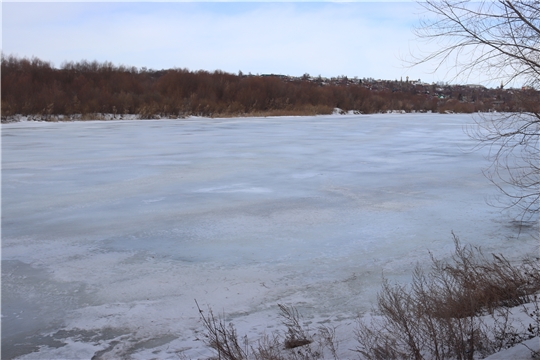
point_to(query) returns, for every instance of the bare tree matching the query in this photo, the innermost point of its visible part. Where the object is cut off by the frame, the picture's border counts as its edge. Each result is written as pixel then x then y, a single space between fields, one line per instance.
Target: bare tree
pixel 499 39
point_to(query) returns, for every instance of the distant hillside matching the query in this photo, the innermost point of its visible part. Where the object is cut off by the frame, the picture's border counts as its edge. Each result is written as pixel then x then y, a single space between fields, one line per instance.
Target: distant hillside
pixel 33 87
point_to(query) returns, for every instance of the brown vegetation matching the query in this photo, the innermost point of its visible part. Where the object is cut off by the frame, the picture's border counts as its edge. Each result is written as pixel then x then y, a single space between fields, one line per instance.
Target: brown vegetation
pixel 32 87
pixel 460 309
pixel 439 315
pixel 297 343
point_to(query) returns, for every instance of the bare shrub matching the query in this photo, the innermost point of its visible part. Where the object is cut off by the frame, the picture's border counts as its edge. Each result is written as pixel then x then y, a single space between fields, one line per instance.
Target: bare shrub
pixel 222 337
pixel 483 284
pixel 297 342
pixel 461 308
pixel 93 116
pixel 308 110
pixel 296 335
pixel 439 315
pixel 327 339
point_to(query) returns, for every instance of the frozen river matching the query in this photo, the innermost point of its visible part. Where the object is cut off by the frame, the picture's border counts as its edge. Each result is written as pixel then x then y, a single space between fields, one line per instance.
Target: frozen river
pixel 110 230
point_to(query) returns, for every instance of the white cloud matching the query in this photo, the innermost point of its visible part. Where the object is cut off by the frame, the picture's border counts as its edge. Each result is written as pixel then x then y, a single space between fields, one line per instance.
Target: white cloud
pixel 353 39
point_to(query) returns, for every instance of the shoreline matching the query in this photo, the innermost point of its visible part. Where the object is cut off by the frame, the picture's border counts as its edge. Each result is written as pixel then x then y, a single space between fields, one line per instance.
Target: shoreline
pixel 129 117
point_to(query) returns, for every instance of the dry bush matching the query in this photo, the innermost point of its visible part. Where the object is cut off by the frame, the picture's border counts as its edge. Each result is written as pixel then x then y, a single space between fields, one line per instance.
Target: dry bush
pixel 222 337
pixel 307 110
pixel 296 334
pixel 462 308
pixel 438 315
pixel 297 342
pixel 88 117
pixel 474 283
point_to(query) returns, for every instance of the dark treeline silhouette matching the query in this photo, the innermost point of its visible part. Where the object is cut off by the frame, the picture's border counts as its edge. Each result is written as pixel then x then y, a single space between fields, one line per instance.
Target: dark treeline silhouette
pixel 33 87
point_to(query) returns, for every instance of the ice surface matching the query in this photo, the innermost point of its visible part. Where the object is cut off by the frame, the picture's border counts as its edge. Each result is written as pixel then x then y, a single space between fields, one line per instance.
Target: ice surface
pixel 110 230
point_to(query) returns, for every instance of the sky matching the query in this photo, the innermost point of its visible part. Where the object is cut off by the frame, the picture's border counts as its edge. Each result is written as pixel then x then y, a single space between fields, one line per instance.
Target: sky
pixel 363 39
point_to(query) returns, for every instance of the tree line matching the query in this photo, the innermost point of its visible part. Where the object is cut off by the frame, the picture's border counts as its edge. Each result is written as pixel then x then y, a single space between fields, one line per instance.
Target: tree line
pixel 33 87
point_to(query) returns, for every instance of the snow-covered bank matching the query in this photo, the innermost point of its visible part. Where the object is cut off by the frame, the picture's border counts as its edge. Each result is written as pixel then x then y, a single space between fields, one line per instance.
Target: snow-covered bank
pixel 74 117
pixel 110 230
pixel 110 116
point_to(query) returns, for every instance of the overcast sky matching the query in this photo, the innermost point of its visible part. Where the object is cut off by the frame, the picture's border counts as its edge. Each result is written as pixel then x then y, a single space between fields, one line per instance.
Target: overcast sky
pixel 364 39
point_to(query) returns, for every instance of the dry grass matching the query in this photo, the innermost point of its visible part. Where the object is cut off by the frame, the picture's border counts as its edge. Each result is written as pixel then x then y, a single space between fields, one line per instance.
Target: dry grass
pixel 438 315
pixel 307 110
pixel 296 335
pixel 462 308
pixel 91 117
pixel 296 342
pixel 222 337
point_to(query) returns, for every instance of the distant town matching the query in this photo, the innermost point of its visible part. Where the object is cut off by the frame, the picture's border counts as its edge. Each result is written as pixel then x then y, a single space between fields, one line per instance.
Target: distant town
pixel 466 93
